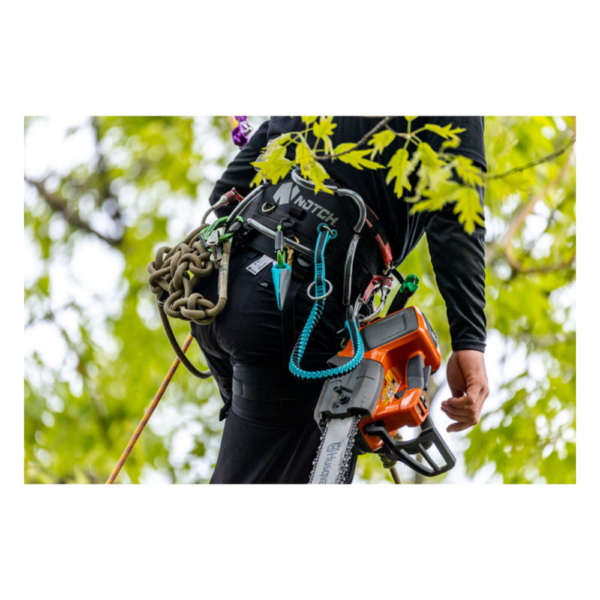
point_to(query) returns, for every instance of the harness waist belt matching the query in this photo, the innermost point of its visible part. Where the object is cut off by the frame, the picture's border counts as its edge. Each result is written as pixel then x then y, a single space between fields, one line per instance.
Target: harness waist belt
pixel 275 404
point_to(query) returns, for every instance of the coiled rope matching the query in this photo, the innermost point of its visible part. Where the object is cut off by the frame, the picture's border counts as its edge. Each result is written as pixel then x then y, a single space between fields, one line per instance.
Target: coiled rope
pixel 171 283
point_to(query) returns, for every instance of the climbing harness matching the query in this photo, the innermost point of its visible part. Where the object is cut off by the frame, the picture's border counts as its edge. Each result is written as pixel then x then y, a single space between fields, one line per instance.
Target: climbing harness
pixel 292 216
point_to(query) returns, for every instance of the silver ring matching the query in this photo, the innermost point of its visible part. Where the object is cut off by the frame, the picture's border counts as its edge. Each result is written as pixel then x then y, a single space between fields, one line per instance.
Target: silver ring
pixel 320 297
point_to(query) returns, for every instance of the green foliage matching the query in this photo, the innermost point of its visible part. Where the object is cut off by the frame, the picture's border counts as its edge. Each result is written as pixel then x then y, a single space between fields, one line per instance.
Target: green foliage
pixel 140 190
pixel 530 276
pixel 356 158
pixel 380 141
pixel 399 169
pixel 79 415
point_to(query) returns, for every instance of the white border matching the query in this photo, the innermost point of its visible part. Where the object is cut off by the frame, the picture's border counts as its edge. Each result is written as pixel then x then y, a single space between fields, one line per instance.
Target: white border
pixel 268 58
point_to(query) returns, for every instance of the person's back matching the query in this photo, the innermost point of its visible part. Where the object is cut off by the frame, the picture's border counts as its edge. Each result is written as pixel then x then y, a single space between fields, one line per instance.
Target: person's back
pixel 270 434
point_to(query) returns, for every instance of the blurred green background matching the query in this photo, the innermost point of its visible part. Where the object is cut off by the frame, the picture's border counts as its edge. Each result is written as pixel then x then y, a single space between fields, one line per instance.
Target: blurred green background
pixel 102 193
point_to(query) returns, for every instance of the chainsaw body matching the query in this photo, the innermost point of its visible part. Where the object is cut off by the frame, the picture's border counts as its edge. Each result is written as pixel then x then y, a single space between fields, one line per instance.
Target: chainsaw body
pixel 388 390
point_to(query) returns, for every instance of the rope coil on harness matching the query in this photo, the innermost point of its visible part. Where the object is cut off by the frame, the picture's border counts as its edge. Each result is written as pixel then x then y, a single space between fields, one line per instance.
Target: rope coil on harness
pixel 322 290
pixel 170 280
pixel 204 249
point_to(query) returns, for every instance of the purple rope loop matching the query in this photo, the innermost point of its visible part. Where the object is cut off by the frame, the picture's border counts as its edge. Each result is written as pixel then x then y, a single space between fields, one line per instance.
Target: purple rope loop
pixel 241 133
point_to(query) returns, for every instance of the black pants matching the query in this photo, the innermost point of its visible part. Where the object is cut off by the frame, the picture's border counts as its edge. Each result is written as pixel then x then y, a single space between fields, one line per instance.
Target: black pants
pixel 270 434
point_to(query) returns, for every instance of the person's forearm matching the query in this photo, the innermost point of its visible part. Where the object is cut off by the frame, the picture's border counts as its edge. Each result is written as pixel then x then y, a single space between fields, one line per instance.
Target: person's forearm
pixel 458 260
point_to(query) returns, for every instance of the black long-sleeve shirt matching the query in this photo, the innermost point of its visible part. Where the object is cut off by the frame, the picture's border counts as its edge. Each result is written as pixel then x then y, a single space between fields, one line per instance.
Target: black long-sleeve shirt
pixel 458 258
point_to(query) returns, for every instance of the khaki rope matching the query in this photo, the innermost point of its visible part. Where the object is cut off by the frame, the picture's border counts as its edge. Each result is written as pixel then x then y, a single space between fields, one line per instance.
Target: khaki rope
pixel 148 414
pixel 170 282
pixel 169 273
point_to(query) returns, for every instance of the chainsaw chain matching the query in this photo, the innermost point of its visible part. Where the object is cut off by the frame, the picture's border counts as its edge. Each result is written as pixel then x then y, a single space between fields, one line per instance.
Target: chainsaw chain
pixel 341 478
pixel 348 455
pixel 321 442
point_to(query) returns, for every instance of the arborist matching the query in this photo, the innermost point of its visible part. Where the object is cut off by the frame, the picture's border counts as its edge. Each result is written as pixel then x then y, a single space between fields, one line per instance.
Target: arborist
pixel 266 344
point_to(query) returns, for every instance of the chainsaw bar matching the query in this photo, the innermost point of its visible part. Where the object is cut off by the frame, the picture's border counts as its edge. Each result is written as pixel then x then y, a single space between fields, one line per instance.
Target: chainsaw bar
pixel 335 451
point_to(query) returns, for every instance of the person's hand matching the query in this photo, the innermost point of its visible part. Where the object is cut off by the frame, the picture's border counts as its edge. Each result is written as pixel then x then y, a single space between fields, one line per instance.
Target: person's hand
pixel 469 387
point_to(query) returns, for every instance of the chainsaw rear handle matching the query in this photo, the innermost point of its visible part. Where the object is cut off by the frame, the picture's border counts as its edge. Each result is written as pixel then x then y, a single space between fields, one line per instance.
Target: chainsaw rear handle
pixel 403 450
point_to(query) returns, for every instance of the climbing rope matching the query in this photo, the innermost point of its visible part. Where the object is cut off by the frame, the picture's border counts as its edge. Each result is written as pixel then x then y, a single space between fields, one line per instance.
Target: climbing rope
pixel 170 277
pixel 148 414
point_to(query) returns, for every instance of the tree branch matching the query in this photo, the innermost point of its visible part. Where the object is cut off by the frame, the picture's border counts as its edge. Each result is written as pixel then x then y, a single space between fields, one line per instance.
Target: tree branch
pixel 363 140
pixel 61 206
pixel 551 220
pixel 518 221
pixel 519 268
pixel 532 164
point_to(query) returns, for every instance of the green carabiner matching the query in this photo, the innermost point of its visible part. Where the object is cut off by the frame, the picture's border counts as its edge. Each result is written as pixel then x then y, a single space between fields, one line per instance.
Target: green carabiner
pixel 280 247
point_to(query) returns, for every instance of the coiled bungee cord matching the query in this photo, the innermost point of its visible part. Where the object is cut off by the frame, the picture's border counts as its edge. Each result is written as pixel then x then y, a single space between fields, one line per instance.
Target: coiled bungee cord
pixel 323 288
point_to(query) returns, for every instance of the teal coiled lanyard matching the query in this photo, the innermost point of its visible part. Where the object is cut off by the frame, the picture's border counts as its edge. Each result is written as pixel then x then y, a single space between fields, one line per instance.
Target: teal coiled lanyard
pixel 323 288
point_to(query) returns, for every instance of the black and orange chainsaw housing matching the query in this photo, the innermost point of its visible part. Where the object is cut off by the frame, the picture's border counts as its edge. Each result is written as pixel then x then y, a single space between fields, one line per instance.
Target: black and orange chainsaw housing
pixel 388 390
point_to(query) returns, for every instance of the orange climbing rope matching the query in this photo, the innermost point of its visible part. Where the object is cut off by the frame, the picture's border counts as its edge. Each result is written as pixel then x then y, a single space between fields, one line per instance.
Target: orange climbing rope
pixel 148 414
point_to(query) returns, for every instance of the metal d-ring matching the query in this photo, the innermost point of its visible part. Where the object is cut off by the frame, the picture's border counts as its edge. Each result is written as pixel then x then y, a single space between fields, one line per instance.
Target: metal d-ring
pixel 269 210
pixel 324 295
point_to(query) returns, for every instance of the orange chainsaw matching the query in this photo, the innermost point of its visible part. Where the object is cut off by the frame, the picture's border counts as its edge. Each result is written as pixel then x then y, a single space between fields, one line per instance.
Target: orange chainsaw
pixel 361 411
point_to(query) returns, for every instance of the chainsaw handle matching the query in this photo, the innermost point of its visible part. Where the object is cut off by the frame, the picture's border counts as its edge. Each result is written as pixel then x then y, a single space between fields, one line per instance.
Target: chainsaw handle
pixel 403 450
